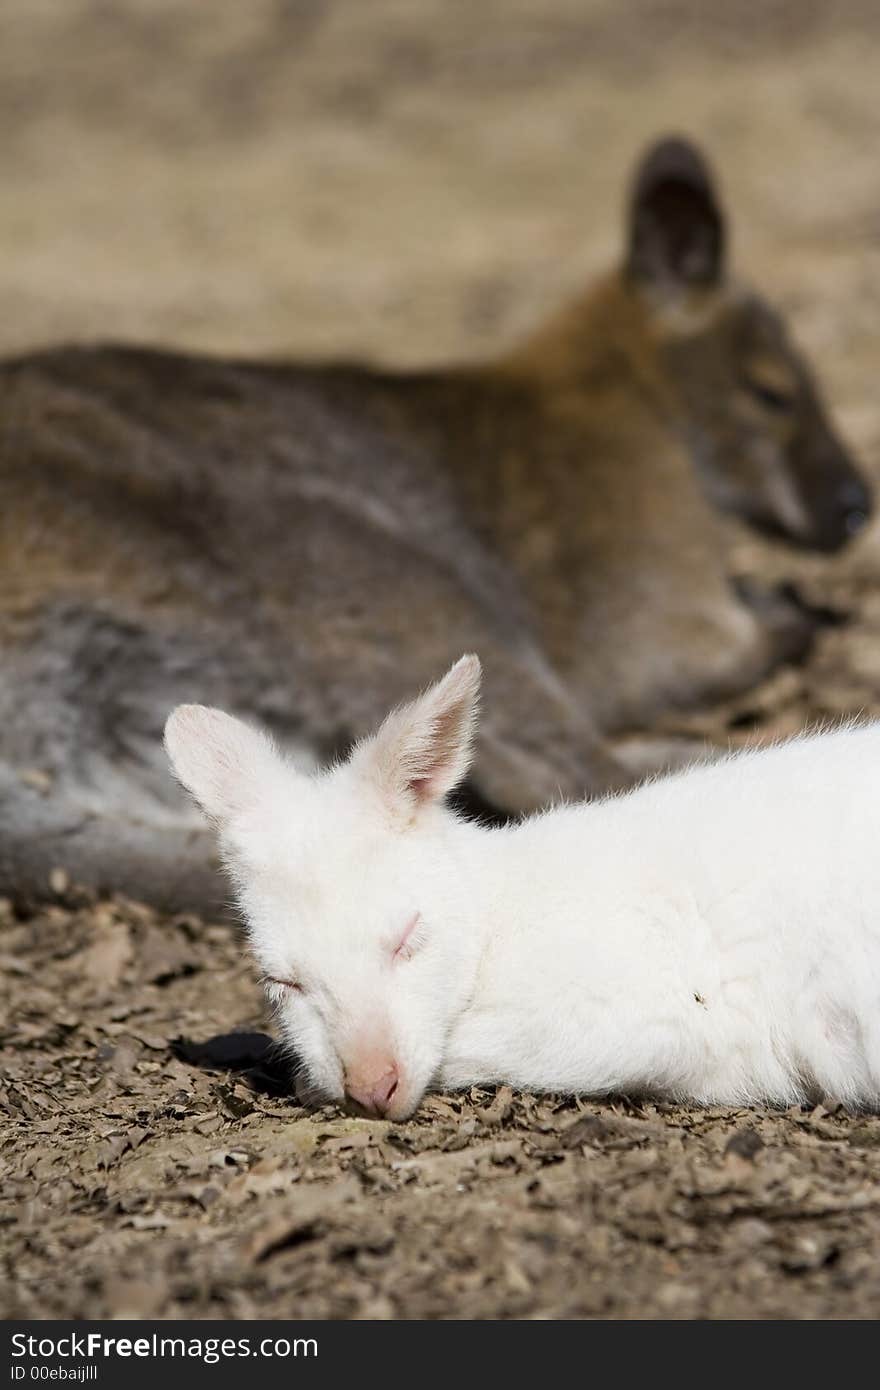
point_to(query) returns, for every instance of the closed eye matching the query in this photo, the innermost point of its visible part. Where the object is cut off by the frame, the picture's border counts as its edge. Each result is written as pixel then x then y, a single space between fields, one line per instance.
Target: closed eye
pixel 771 396
pixel 410 941
pixel 283 984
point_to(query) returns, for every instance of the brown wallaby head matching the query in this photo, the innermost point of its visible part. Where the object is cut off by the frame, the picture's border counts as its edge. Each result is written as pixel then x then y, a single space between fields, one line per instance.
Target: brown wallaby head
pixel 733 382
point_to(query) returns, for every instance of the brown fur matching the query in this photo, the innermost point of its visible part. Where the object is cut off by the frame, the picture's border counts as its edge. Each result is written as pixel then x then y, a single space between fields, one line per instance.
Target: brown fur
pixel 305 546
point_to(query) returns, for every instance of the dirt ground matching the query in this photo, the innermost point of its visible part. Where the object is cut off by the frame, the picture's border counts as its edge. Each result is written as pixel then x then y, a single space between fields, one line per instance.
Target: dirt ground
pixel 138 1179
pixel 413 180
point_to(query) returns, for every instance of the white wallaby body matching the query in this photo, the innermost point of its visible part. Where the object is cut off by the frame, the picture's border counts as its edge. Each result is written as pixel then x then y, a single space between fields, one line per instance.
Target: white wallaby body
pixel 714 936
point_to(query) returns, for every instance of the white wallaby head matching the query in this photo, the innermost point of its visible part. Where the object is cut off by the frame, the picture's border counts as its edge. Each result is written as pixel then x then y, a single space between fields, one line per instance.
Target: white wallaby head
pixel 352 883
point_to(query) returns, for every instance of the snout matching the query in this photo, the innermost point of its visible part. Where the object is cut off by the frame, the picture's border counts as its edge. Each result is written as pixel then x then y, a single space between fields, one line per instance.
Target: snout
pixel 830 510
pixel 371 1091
pixel 854 503
pixel 840 514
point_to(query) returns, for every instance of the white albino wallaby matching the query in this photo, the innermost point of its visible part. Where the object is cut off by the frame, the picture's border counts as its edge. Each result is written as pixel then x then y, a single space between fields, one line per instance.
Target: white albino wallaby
pixel 714 936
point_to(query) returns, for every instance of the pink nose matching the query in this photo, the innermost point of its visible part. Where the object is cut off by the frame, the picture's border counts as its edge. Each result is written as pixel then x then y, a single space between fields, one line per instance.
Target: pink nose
pixel 374 1096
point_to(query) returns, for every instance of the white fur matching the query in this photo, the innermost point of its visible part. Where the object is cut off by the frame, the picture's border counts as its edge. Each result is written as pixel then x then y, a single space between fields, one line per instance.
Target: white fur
pixel 714 936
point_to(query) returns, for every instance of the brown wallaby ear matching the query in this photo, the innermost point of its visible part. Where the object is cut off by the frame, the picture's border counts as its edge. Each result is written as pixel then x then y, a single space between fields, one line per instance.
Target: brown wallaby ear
pixel 676 226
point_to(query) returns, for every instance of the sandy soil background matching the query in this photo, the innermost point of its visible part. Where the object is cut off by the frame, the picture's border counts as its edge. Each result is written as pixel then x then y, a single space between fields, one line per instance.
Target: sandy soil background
pixel 411 181
pixel 138 1179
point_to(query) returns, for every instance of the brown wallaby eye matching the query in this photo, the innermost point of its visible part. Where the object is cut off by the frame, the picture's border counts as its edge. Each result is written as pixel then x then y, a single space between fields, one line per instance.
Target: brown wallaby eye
pixel 775 398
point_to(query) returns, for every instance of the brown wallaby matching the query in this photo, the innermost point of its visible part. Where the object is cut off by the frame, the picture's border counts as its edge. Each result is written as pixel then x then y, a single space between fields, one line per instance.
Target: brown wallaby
pixel 305 545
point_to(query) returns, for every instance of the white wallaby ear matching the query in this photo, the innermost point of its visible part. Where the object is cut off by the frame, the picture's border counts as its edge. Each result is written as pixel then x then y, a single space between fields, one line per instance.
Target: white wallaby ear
pixel 424 749
pixel 220 760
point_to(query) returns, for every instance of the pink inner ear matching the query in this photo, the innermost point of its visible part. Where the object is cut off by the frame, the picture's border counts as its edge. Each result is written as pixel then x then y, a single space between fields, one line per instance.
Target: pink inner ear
pixel 421 788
